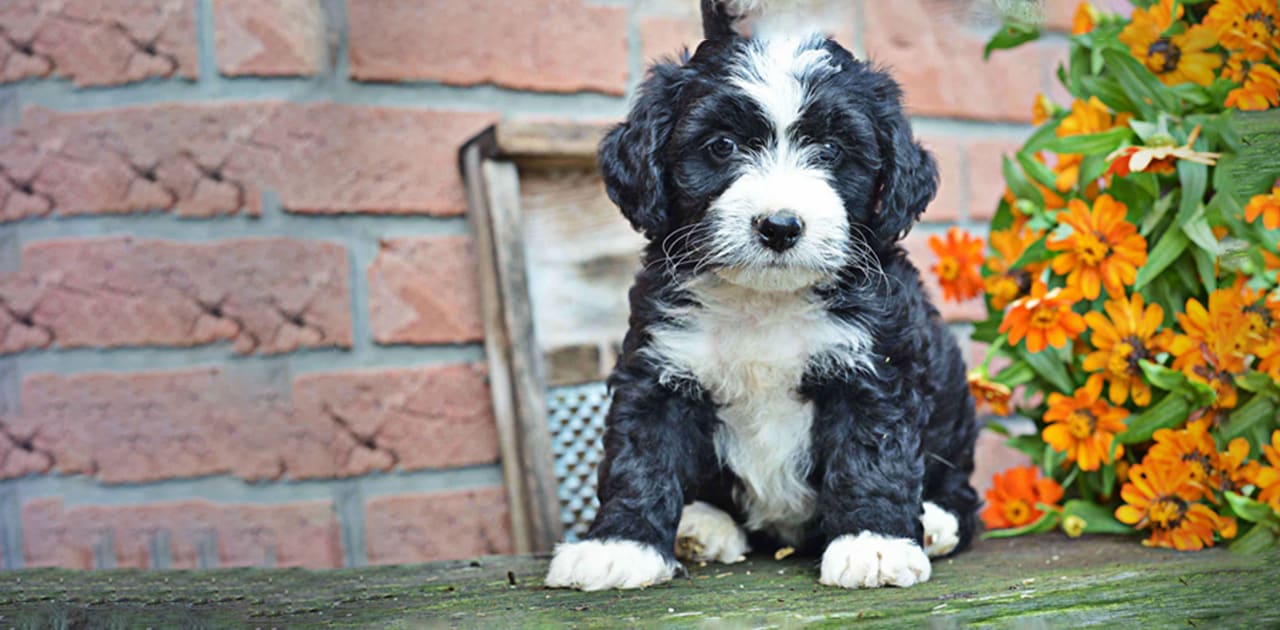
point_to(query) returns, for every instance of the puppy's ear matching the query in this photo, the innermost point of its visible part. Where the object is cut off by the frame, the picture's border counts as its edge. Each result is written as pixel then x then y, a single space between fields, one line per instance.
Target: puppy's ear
pixel 632 156
pixel 908 180
pixel 717 23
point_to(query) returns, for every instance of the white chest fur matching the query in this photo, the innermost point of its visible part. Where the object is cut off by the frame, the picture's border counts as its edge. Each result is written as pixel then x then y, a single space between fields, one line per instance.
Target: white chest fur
pixel 750 349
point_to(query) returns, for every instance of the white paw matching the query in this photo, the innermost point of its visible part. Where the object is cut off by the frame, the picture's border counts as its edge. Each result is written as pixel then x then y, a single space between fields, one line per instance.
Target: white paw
pixel 707 533
pixel 871 561
pixel 941 530
pixel 596 565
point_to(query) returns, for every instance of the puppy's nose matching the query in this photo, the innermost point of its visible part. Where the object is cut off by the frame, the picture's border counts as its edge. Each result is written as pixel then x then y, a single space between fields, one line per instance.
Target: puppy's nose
pixel 780 230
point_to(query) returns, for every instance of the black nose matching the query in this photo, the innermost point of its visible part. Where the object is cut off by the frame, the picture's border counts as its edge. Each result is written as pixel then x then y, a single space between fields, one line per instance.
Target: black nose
pixel 780 230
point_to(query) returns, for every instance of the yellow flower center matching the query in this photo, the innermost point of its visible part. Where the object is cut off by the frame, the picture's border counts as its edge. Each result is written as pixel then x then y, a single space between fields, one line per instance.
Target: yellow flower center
pixel 1166 512
pixel 948 268
pixel 1198 465
pixel 1017 511
pixel 1118 365
pixel 1081 424
pixel 1163 55
pixel 1092 250
pixel 1044 317
pixel 1267 22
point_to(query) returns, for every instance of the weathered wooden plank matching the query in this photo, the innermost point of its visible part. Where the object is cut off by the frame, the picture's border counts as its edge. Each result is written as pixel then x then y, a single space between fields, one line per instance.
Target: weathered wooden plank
pixel 544 143
pixel 496 341
pixel 527 369
pixel 1046 581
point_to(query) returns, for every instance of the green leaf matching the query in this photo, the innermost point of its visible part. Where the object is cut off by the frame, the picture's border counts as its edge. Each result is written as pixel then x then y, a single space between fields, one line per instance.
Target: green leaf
pixel 1108 91
pixel 1050 367
pixel 1162 377
pixel 1029 445
pixel 1171 411
pixel 1046 522
pixel 1260 539
pixel 1018 183
pixel 1016 374
pixel 1244 417
pixel 1158 209
pixel 1035 252
pixel 1036 169
pixel 986 331
pixel 1250 510
pixel 1102 142
pixel 1143 88
pixel 1197 229
pixel 1258 383
pixel 1205 269
pixel 1194 178
pixel 995 426
pixel 1040 137
pixel 1098 519
pixel 1167 250
pixel 1010 35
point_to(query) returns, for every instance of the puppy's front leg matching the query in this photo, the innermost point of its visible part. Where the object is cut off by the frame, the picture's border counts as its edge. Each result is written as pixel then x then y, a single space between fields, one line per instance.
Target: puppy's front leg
pixel 869 505
pixel 656 442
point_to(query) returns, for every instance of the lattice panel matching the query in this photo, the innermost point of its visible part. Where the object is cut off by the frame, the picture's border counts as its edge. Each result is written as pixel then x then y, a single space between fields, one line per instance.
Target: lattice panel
pixel 576 418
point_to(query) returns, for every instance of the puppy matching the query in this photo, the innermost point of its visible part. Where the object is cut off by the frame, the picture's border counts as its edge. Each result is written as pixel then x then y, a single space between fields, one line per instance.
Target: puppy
pixel 785 380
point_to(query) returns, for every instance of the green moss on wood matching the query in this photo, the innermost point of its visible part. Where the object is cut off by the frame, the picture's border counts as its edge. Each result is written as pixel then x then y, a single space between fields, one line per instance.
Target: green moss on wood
pixel 1047 580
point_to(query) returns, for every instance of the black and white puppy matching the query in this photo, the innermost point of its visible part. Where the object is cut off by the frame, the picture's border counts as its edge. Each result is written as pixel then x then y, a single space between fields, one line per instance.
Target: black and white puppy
pixel 785 379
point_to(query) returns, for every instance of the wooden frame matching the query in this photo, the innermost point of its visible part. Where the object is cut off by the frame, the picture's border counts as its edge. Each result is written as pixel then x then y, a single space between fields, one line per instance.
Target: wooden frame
pixel 490 164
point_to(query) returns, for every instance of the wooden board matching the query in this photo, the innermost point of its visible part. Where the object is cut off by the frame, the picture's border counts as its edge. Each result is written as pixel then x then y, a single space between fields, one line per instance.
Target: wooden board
pixel 1046 581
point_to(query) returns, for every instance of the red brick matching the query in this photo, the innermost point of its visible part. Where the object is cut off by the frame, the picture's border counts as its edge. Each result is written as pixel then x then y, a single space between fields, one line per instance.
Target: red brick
pixel 945 207
pixel 433 417
pixel 437 526
pixel 279 38
pixel 304 534
pixel 548 45
pixel 98 42
pixel 992 456
pixel 986 178
pixel 938 61
pixel 917 246
pixel 671 26
pixel 265 295
pixel 424 290
pixel 204 160
pixel 143 426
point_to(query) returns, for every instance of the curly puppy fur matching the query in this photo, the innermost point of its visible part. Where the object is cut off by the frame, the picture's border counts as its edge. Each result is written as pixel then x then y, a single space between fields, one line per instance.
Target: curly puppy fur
pixel 783 362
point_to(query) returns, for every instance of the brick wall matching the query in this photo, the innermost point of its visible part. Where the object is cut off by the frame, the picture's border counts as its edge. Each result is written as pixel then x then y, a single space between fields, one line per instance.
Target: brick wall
pixel 238 321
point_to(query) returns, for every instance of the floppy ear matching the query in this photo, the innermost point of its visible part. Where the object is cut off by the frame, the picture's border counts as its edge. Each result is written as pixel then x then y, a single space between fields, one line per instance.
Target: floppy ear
pixel 717 23
pixel 632 158
pixel 908 181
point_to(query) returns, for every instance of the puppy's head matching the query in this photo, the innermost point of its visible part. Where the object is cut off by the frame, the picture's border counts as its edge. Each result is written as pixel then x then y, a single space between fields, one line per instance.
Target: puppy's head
pixel 774 163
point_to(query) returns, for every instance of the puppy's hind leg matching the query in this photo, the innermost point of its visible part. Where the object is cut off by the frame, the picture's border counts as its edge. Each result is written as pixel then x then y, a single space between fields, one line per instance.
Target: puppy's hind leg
pixel 707 533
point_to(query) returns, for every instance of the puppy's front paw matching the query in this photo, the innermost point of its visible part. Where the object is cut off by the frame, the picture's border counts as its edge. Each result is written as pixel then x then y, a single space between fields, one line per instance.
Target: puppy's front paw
pixel 941 530
pixel 707 533
pixel 596 565
pixel 871 561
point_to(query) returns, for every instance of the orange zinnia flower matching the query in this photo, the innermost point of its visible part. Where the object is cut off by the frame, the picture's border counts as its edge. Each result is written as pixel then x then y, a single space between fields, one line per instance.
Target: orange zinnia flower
pixel 1044 318
pixel 994 394
pixel 958 260
pixel 1086 16
pixel 1161 498
pixel 1265 206
pixel 1192 447
pixel 1267 478
pixel 1103 248
pixel 1234 471
pixel 1249 27
pixel 1042 109
pixel 1012 499
pixel 1127 337
pixel 1259 90
pixel 1084 427
pixel 1005 283
pixel 1177 58
pixel 1214 344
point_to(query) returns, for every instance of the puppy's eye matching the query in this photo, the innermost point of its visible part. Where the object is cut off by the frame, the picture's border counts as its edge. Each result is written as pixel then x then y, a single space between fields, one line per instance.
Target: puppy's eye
pixel 827 153
pixel 722 148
